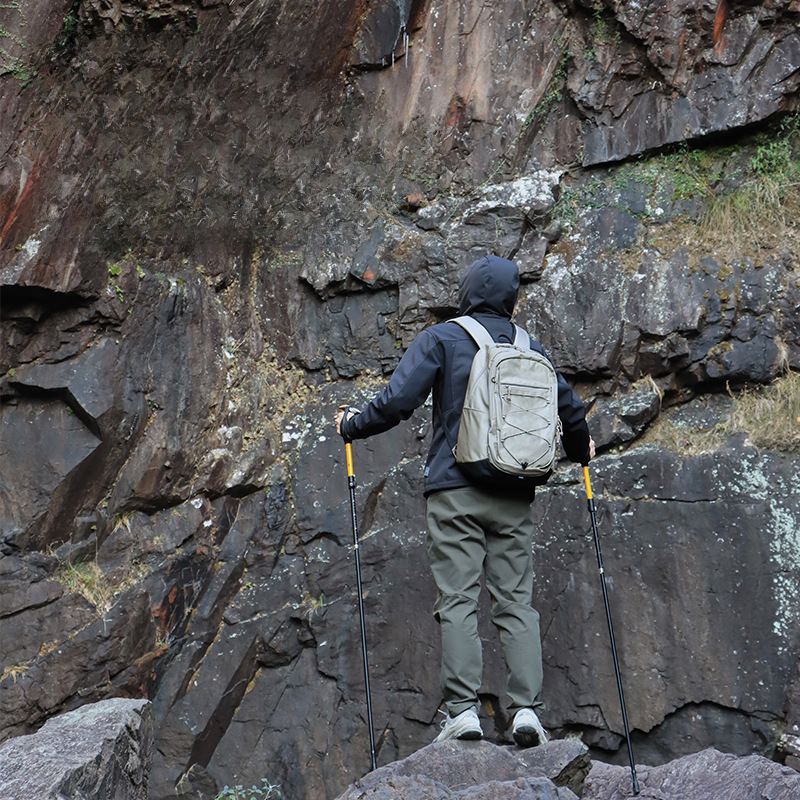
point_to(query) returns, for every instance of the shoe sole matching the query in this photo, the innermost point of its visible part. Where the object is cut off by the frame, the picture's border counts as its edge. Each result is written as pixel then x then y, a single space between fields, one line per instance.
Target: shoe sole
pixel 470 735
pixel 527 737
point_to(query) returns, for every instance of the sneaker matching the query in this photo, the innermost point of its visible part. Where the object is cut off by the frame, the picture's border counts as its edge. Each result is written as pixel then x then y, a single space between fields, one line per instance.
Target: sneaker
pixel 463 726
pixel 527 730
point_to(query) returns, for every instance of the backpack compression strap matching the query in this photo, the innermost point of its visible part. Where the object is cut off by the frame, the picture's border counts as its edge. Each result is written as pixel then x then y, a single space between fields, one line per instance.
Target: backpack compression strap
pixel 482 336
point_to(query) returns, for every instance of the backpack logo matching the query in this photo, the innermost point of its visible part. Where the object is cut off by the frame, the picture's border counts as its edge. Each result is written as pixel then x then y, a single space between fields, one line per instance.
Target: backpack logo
pixel 509 424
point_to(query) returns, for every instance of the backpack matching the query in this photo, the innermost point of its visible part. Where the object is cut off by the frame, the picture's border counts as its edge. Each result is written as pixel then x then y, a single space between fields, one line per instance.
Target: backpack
pixel 509 424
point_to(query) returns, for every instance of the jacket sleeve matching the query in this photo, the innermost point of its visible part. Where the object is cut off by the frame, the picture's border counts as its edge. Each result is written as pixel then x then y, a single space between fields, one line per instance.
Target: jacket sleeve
pixel 408 388
pixel 572 412
pixel 575 436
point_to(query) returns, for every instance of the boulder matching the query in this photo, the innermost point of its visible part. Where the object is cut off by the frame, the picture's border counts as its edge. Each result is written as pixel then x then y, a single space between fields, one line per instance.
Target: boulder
pixel 480 771
pixel 100 751
pixel 707 775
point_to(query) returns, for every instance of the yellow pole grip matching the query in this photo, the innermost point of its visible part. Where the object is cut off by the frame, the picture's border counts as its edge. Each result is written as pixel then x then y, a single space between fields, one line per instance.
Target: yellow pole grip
pixel 587 482
pixel 348 449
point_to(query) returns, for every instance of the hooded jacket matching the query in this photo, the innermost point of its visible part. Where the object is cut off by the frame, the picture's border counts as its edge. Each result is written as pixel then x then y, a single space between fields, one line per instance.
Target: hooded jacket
pixel 439 360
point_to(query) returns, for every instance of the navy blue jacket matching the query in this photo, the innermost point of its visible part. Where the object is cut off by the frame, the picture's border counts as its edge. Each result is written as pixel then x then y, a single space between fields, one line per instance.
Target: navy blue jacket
pixel 440 359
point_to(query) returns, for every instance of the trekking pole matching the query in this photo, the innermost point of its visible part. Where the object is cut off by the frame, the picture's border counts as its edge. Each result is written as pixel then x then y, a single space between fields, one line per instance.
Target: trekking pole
pixel 592 513
pixel 351 482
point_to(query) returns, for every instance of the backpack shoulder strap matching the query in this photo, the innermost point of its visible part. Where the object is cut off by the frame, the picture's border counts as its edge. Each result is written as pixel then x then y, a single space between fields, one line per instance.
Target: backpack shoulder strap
pixel 483 337
pixel 522 340
pixel 475 330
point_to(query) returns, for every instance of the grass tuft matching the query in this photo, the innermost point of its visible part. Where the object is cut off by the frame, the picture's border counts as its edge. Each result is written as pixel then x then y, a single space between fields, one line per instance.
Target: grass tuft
pixel 764 210
pixel 682 439
pixel 770 415
pixel 87 579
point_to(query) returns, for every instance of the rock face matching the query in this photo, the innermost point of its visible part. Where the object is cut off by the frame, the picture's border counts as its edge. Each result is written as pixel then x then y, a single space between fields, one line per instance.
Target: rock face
pixel 220 221
pixel 101 751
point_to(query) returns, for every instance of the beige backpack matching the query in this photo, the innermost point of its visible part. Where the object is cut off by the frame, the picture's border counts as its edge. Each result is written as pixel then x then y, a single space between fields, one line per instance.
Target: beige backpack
pixel 510 424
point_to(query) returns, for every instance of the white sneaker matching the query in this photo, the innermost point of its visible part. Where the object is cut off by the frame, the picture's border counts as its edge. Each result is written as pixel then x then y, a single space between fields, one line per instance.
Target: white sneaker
pixel 527 730
pixel 463 726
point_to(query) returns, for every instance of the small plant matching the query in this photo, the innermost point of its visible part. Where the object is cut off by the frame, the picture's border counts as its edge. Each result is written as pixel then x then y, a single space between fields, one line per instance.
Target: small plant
pixel 262 792
pixel 686 171
pixel 69 30
pixel 15 671
pixel 86 579
pixel 114 271
pixel 311 605
pixel 774 158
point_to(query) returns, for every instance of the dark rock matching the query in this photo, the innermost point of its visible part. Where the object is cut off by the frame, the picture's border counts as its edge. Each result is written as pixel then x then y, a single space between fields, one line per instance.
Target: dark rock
pixel 707 775
pixel 99 752
pixel 35 612
pixel 480 770
pixel 623 417
pixel 25 584
pixel 716 323
pixel 83 666
pixel 748 76
pixel 381 36
pixel 688 539
pixel 55 441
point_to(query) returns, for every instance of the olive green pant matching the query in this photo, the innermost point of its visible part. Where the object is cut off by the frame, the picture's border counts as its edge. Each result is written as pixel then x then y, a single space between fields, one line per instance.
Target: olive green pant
pixel 472 531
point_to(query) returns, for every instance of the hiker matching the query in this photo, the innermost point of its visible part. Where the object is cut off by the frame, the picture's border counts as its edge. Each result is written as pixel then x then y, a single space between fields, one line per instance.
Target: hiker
pixel 475 527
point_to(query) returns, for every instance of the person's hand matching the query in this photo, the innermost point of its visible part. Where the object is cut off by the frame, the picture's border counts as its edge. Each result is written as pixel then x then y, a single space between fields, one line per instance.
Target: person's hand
pixel 592 449
pixel 351 412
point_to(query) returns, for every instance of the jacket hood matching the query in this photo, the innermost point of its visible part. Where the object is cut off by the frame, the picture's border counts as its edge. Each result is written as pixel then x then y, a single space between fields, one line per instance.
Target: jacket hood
pixel 489 285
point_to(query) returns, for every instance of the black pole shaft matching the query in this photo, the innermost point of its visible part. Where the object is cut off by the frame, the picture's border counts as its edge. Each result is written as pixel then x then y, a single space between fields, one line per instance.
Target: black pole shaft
pixel 352 484
pixel 593 515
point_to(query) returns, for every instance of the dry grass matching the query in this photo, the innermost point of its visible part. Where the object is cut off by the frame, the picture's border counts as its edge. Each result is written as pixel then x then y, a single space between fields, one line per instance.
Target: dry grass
pixel 88 580
pixel 15 671
pixel 682 439
pixel 764 211
pixel 762 214
pixel 770 415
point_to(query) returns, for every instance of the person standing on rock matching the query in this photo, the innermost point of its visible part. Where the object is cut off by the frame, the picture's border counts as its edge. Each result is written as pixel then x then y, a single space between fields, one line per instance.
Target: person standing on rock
pixel 472 527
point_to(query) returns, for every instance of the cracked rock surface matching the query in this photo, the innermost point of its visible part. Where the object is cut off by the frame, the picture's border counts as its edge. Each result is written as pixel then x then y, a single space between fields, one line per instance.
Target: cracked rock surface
pixel 218 222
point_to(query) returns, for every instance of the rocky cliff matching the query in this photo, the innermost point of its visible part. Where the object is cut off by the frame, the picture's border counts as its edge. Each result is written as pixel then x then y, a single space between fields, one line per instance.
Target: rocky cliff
pixel 220 220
